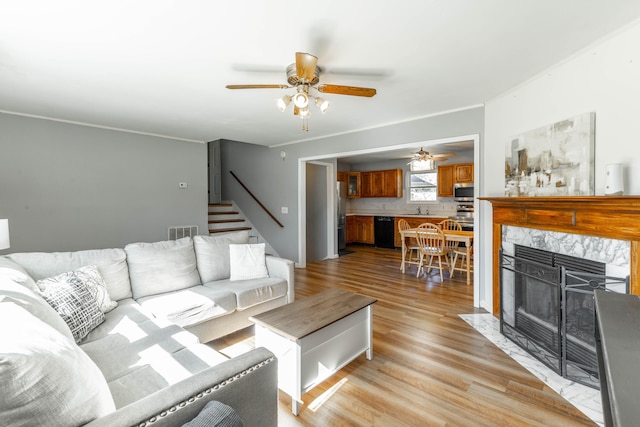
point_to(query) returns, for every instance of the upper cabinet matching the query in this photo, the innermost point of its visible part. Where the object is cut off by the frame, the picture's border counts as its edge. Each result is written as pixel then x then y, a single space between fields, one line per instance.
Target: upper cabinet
pixel 341 176
pixel 353 184
pixel 384 183
pixel 453 174
pixel 463 173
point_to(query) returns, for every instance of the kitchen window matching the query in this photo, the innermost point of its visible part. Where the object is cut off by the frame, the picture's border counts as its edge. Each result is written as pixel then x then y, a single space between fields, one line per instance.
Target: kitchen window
pixel 423 186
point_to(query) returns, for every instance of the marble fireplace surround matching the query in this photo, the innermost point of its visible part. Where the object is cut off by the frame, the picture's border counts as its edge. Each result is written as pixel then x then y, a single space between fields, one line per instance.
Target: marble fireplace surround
pixel 611 218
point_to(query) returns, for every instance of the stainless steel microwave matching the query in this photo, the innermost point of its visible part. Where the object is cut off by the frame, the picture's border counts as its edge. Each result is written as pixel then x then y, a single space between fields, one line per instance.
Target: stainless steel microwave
pixel 463 192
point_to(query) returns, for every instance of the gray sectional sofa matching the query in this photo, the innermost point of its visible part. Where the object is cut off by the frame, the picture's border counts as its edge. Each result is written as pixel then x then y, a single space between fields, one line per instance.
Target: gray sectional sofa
pixel 142 362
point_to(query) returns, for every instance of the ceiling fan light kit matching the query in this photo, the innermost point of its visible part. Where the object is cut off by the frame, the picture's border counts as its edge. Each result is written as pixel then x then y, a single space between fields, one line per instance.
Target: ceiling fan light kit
pixel 303 75
pixel 423 160
pixel 283 102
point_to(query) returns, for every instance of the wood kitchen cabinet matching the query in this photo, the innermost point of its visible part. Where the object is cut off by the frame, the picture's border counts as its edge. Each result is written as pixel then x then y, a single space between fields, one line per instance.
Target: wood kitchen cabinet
pixel 453 174
pixel 445 181
pixel 463 173
pixel 383 183
pixel 341 176
pixel 350 234
pixel 360 229
pixel 353 184
pixel 413 221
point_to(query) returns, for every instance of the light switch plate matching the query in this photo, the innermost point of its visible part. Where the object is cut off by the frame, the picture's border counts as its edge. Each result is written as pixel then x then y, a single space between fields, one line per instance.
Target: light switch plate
pixel 284 210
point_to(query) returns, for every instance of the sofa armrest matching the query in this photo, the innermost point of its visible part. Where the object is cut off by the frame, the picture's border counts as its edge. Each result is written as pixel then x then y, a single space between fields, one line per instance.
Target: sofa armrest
pixel 283 269
pixel 248 383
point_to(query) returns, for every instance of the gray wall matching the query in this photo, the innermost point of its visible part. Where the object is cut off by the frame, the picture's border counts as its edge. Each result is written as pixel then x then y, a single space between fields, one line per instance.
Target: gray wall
pixel 69 187
pixel 316 213
pixel 275 181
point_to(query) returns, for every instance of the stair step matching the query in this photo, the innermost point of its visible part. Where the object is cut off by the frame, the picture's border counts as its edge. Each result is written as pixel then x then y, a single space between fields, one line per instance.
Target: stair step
pixel 224 213
pixel 214 205
pixel 222 221
pixel 227 230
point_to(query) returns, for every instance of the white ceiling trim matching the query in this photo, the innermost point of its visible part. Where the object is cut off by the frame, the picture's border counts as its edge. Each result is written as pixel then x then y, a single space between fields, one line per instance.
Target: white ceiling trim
pixel 53 119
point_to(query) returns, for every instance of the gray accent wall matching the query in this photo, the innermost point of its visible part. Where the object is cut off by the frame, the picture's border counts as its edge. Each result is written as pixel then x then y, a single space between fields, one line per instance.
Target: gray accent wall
pixel 68 187
pixel 316 212
pixel 275 181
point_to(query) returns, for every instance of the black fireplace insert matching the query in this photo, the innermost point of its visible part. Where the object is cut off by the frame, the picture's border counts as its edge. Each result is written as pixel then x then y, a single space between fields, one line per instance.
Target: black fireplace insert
pixel 547 308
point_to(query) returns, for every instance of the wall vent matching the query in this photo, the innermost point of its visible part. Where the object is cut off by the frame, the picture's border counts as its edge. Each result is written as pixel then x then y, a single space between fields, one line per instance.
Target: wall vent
pixel 176 233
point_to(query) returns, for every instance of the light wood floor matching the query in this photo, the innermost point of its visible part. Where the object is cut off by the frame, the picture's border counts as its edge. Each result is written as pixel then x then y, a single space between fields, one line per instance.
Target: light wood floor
pixel 429 367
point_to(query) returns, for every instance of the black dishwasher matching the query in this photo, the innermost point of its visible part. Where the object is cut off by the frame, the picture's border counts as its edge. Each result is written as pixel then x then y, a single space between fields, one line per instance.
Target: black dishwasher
pixel 383 229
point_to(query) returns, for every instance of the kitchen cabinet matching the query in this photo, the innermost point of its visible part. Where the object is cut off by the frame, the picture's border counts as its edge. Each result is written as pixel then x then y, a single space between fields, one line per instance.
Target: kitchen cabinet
pixel 413 221
pixel 445 181
pixel 341 176
pixel 353 184
pixel 382 183
pixel 350 235
pixel 463 173
pixel 360 229
pixel 448 175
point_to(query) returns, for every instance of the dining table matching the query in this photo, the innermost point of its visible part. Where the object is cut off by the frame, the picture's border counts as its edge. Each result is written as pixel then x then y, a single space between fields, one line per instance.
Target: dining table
pixel 451 235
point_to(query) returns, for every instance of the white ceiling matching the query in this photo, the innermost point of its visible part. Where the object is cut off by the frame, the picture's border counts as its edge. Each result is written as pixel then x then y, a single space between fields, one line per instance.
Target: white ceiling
pixel 161 67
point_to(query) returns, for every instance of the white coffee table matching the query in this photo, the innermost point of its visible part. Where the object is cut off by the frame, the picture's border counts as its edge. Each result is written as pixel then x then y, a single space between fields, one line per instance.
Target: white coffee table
pixel 314 337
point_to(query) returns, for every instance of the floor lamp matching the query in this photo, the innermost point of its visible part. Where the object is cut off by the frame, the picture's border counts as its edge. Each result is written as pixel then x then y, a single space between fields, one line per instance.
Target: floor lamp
pixel 4 234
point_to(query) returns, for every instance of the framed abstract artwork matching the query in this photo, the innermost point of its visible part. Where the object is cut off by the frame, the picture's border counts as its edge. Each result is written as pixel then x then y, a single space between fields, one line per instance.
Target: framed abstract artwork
pixel 553 160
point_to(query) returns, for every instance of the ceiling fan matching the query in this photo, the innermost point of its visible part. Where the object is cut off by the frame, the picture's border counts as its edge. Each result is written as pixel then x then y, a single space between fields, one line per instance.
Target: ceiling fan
pixel 304 76
pixel 426 161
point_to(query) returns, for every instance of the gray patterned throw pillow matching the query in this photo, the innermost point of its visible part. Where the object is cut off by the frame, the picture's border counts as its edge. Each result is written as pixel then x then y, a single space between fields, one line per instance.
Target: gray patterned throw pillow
pixel 73 301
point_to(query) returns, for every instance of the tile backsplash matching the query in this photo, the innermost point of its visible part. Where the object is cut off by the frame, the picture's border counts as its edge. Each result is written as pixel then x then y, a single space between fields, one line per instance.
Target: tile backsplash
pixel 398 206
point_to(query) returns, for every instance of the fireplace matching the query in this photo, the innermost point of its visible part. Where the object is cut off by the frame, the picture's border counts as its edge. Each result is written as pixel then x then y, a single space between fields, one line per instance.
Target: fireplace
pixel 547 307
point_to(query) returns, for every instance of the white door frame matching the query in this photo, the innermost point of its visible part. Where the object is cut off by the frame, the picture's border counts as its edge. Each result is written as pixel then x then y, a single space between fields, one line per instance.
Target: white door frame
pixel 331 198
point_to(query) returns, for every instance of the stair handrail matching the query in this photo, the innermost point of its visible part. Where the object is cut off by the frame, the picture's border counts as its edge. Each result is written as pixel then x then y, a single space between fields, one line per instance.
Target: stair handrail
pixel 256 199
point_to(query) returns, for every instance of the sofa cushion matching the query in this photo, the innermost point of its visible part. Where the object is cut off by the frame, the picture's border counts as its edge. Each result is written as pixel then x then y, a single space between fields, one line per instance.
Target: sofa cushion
pixel 14 271
pixel 33 303
pixel 46 378
pixel 112 264
pixel 216 414
pixel 160 267
pixel 191 306
pixel 212 254
pixel 161 371
pixel 247 261
pixel 136 345
pixel 71 299
pixel 251 292
pixel 90 276
pixel 127 314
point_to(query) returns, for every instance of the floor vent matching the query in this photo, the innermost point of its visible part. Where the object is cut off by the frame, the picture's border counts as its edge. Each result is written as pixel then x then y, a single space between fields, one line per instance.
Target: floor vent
pixel 176 233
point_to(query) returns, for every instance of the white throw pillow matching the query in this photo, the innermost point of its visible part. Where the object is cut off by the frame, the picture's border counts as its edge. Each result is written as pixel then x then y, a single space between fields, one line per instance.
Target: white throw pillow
pixel 212 254
pixel 47 380
pixel 247 261
pixel 90 276
pixel 71 299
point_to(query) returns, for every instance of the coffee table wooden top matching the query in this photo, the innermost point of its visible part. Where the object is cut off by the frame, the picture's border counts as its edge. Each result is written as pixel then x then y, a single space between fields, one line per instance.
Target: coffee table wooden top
pixel 305 316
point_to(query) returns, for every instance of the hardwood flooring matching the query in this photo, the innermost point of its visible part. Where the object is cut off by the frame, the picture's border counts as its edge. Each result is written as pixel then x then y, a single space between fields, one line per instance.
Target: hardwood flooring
pixel 429 367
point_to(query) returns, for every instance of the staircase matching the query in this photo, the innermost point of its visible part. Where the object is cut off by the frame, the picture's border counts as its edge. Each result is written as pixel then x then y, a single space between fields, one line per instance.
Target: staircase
pixel 223 218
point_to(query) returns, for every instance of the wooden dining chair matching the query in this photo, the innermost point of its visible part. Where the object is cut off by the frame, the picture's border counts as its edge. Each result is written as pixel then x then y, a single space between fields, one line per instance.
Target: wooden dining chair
pixel 450 224
pixel 461 254
pixel 431 242
pixel 411 246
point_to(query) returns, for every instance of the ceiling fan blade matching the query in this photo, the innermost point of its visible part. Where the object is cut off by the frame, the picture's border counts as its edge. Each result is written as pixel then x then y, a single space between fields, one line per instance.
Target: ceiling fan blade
pixel 442 155
pixel 306 66
pixel 347 90
pixel 258 87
